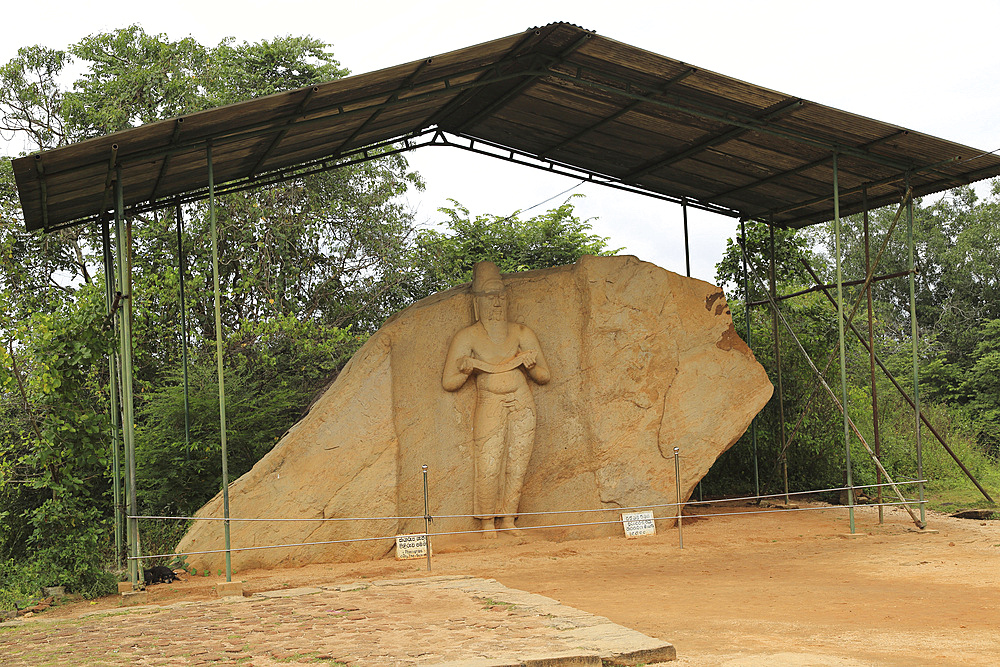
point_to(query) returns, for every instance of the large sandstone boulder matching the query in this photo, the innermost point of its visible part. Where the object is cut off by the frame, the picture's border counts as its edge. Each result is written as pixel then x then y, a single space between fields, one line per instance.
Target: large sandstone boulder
pixel 642 360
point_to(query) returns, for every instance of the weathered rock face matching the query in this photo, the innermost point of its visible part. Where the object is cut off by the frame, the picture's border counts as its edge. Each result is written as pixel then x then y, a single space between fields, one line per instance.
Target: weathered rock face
pixel 642 360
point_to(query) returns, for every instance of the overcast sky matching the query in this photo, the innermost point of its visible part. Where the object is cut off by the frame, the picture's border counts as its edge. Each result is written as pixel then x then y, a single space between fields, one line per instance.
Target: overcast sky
pixel 929 66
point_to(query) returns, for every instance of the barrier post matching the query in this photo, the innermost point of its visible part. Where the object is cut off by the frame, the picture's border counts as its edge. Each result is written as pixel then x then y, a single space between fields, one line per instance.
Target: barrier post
pixel 677 483
pixel 427 520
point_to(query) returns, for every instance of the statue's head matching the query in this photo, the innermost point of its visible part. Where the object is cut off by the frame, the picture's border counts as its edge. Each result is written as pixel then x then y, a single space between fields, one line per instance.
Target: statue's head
pixel 489 296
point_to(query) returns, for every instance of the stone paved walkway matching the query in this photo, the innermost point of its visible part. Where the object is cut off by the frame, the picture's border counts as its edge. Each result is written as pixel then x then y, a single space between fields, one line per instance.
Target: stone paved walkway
pixel 455 621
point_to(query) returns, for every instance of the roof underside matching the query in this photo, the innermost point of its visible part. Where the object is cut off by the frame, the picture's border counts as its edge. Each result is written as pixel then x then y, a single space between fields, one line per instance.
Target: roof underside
pixel 580 103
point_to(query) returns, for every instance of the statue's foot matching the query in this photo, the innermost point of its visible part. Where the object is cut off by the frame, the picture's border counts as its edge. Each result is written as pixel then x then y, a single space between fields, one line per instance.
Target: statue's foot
pixel 489 530
pixel 507 523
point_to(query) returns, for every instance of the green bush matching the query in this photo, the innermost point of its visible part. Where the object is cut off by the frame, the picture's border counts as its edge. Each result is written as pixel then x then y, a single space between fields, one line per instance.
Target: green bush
pixel 69 547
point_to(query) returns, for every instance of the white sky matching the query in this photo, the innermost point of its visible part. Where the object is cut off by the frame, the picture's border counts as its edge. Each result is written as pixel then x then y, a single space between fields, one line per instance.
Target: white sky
pixel 926 65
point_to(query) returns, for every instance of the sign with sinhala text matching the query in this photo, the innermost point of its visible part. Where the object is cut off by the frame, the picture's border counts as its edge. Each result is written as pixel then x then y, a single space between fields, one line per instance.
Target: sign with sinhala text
pixel 411 546
pixel 639 523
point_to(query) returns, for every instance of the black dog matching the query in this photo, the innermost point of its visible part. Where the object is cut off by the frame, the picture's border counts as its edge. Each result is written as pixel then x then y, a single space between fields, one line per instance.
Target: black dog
pixel 160 575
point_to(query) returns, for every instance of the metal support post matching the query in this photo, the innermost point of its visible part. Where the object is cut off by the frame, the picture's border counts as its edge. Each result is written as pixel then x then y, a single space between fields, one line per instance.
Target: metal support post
pixel 902 392
pixel 840 339
pixel 836 402
pixel 915 341
pixel 871 356
pixel 687 265
pixel 746 306
pixel 777 364
pixel 427 520
pixel 218 359
pixel 184 332
pixel 687 246
pixel 123 243
pixel 677 483
pixel 116 418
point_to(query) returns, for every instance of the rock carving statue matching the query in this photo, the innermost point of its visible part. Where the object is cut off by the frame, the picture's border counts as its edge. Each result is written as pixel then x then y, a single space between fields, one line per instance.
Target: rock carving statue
pixel 501 355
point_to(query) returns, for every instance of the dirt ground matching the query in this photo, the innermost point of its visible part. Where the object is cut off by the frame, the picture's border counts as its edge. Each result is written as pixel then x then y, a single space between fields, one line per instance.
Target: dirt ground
pixel 777 588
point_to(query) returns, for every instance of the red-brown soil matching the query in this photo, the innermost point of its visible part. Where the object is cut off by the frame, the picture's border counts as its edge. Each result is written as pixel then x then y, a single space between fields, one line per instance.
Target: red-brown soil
pixel 772 589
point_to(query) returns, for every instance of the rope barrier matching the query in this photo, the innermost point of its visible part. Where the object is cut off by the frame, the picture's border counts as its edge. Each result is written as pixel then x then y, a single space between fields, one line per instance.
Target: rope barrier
pixel 219 518
pixel 542 513
pixel 526 528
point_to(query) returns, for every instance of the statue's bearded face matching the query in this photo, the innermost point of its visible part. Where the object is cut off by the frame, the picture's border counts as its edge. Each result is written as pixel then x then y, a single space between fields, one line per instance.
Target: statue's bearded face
pixel 492 306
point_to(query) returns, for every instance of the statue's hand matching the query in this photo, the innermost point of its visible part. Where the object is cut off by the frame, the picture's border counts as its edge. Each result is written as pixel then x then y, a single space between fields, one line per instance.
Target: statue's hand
pixel 528 358
pixel 465 365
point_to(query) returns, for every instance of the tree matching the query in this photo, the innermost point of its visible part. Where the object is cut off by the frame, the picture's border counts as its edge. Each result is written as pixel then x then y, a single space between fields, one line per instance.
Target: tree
pixel 444 257
pixel 304 265
pixel 983 386
pixel 308 268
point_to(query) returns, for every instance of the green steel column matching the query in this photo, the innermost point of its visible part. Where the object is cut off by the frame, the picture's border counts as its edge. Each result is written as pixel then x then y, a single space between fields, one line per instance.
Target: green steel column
pixel 218 359
pixel 125 343
pixel 871 356
pixel 840 338
pixel 746 306
pixel 687 265
pixel 116 418
pixel 687 247
pixel 777 362
pixel 915 345
pixel 184 333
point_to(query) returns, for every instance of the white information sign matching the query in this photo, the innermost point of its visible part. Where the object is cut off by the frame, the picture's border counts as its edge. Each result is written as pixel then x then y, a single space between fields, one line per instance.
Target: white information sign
pixel 411 546
pixel 639 523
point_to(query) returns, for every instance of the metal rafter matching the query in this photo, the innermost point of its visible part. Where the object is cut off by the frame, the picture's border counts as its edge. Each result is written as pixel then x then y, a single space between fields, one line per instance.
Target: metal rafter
pixel 364 154
pixel 632 106
pixel 520 157
pixel 516 90
pixel 296 115
pixel 485 78
pixel 855 190
pixel 777 111
pixel 394 97
pixel 166 158
pixel 336 111
pixel 609 83
pixel 803 168
pixel 720 115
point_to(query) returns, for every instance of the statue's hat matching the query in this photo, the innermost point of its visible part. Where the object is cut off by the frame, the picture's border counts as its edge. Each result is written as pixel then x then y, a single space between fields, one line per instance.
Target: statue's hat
pixel 486 278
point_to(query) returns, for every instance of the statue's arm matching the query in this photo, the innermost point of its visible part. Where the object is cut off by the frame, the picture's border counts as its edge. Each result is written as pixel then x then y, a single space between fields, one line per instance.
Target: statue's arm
pixel 458 363
pixel 539 370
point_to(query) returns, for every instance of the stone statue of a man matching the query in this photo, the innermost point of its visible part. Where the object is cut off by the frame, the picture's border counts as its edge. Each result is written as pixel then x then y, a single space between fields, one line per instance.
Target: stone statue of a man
pixel 501 355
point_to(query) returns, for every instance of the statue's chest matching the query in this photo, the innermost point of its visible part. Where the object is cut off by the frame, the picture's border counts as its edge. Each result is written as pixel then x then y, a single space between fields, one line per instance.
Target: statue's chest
pixel 493 352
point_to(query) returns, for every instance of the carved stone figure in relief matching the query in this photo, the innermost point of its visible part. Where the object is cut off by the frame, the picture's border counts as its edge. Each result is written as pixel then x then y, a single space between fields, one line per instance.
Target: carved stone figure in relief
pixel 502 356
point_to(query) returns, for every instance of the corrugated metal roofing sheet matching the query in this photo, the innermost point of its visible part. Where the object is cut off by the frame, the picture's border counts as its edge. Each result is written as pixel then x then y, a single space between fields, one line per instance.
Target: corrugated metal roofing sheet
pixel 560 93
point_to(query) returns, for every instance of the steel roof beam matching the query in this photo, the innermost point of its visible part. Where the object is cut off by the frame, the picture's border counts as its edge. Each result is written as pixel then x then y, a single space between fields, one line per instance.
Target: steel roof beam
pixel 618 114
pixel 166 158
pixel 724 116
pixel 394 97
pixel 780 109
pixel 297 114
pixel 512 55
pixel 802 168
pixel 367 153
pixel 516 90
pixel 855 190
pixel 571 171
pixel 337 111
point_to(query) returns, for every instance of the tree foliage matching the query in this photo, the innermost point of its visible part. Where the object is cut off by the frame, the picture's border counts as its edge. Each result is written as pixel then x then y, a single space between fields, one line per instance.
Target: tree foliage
pixel 302 266
pixel 444 257
pixel 959 359
pixel 308 268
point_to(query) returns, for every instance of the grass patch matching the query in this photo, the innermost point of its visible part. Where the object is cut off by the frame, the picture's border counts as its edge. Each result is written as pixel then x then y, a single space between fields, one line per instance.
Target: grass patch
pixel 314 657
pixel 490 603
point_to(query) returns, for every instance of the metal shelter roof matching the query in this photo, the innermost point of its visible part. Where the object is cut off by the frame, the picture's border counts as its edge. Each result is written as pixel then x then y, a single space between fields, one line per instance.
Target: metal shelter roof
pixel 558 96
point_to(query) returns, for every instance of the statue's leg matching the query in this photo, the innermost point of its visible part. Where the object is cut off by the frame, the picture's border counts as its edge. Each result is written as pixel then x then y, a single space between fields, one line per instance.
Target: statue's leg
pixel 520 440
pixel 489 429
